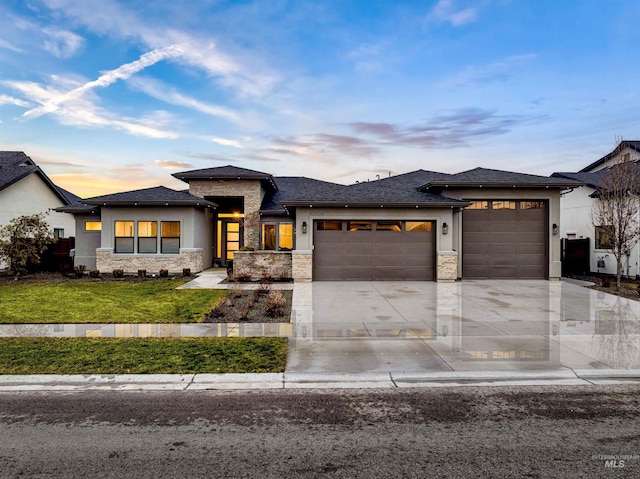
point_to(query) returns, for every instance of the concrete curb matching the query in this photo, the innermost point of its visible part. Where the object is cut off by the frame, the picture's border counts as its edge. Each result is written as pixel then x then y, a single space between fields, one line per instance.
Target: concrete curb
pixel 382 380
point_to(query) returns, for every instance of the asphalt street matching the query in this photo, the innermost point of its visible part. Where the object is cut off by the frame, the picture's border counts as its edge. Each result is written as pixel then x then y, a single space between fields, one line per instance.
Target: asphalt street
pixel 543 431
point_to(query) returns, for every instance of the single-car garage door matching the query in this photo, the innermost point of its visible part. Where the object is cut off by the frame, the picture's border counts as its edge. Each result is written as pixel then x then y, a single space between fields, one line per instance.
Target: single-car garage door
pixel 373 250
pixel 504 239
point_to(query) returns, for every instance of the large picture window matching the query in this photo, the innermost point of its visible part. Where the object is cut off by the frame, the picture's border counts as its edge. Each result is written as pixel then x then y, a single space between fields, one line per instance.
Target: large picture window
pixel 170 240
pixel 147 237
pixel 124 236
pixel 277 236
pixel 285 236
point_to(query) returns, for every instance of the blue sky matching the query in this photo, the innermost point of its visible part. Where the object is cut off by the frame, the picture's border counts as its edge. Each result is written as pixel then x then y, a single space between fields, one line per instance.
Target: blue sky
pixel 113 95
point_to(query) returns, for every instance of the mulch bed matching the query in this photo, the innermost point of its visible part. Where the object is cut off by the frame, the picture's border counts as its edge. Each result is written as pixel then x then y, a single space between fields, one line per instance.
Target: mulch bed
pixel 242 306
pixel 629 288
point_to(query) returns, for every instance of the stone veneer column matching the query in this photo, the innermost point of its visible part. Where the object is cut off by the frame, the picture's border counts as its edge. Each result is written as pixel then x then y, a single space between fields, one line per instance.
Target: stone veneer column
pixel 250 190
pixel 302 265
pixel 447 266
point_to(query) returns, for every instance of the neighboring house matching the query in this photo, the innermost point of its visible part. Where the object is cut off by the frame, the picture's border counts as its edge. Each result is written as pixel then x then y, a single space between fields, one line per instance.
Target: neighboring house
pixel 421 225
pixel 577 205
pixel 25 190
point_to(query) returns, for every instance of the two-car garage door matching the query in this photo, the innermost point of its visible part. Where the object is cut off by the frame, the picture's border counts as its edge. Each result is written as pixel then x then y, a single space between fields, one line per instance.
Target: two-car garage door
pixel 373 250
pixel 504 239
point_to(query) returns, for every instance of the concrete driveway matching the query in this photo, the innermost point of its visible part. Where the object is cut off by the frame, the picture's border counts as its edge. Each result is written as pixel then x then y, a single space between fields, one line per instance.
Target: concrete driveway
pixel 391 327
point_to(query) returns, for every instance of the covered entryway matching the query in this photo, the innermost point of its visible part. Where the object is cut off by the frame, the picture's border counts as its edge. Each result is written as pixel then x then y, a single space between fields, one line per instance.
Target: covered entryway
pixel 374 250
pixel 505 239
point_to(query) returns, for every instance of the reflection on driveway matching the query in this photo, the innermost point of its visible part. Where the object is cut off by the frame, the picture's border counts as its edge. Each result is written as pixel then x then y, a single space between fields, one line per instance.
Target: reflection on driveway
pixel 464 326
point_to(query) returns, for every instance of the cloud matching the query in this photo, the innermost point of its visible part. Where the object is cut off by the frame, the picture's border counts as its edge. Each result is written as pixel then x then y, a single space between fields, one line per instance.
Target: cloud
pixel 498 71
pixel 210 157
pixel 9 100
pixel 8 46
pixel 168 94
pixel 121 73
pixel 172 165
pixel 62 43
pixel 66 164
pixel 446 11
pixel 450 130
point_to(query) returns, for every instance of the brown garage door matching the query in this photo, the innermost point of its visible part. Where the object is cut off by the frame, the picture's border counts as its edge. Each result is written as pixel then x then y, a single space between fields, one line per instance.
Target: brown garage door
pixel 504 239
pixel 373 250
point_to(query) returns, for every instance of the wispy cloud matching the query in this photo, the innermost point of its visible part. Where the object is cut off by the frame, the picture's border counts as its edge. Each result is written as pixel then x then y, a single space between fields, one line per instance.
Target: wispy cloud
pixel 169 94
pixel 9 100
pixel 497 71
pixel 172 165
pixel 448 11
pixel 121 73
pixel 9 46
pixel 62 43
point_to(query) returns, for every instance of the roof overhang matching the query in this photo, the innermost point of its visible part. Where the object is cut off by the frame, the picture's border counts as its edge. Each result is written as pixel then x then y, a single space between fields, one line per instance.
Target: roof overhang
pixel 348 204
pixel 266 180
pixel 153 203
pixel 442 185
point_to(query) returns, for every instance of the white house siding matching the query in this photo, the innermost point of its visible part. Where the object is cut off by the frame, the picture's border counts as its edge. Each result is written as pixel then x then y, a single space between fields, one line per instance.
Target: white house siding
pixel 31 195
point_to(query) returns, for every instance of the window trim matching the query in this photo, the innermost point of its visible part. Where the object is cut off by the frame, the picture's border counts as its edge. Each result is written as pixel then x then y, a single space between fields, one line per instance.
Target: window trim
pixel 140 237
pixel 277 245
pixel 162 237
pixel 132 237
pixel 598 232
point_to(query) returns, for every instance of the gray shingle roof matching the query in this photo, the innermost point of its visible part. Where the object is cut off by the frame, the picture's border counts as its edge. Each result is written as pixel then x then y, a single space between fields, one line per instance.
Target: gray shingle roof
pixel 291 188
pixel 157 196
pixel 227 173
pixel 400 190
pixel 15 165
pixel 497 178
pixel 634 145
pixel 590 179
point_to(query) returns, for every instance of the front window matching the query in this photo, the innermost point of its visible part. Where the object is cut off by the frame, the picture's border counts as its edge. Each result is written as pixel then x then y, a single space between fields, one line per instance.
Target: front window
pixel 124 237
pixel 603 239
pixel 58 233
pixel 93 226
pixel 147 237
pixel 285 236
pixel 170 240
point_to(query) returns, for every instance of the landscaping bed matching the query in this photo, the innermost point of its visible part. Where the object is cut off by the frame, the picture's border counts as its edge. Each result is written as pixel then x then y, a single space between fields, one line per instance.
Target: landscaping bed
pixel 629 288
pixel 263 305
pixel 142 356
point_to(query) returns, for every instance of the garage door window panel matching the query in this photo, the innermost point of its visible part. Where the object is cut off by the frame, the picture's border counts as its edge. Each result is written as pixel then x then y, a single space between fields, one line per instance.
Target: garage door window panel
pixel 329 225
pixel 391 226
pixel 356 226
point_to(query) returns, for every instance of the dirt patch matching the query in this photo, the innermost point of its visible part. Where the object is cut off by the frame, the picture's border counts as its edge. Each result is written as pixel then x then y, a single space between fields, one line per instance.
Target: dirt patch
pixel 258 306
pixel 629 288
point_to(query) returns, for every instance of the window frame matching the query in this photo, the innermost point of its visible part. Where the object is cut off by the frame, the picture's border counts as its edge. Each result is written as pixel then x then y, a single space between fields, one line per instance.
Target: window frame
pixel 116 250
pixel 93 230
pixel 278 235
pixel 163 237
pixel 141 237
pixel 599 232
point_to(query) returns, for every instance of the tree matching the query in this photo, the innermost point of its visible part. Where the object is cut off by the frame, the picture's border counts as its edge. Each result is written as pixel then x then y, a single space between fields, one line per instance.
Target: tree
pixel 23 241
pixel 616 209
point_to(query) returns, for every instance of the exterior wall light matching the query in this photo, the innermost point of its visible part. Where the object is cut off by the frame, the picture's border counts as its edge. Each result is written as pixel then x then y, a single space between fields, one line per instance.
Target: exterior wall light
pixel 554 229
pixel 304 227
pixel 445 228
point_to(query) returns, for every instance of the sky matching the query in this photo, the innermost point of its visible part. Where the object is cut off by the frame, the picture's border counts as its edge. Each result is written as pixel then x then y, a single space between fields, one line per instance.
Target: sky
pixel 111 96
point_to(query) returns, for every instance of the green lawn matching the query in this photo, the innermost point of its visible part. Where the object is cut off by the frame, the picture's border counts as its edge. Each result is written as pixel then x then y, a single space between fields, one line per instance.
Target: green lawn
pixel 105 302
pixel 142 356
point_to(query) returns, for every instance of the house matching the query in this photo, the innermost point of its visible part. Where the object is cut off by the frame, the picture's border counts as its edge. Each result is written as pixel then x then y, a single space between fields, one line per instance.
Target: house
pixel 579 234
pixel 25 190
pixel 421 225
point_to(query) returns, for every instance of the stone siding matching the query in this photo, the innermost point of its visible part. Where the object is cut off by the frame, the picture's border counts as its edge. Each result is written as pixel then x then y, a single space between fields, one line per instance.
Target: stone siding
pixel 191 258
pixel 302 266
pixel 262 264
pixel 250 190
pixel 447 266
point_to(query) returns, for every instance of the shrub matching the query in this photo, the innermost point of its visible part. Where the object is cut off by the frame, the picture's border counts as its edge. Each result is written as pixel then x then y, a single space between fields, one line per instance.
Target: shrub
pixel 142 273
pixel 79 270
pixel 276 304
pixel 164 273
pixel 118 273
pixel 23 241
pixel 94 273
pixel 186 271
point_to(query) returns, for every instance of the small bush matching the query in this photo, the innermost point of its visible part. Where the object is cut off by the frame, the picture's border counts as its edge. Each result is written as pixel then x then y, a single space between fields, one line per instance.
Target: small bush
pixel 79 270
pixel 276 304
pixel 186 271
pixel 94 273
pixel 164 273
pixel 118 273
pixel 142 273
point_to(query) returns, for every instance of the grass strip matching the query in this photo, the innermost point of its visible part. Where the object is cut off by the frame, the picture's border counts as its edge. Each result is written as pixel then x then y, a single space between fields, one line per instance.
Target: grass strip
pixel 142 356
pixel 106 302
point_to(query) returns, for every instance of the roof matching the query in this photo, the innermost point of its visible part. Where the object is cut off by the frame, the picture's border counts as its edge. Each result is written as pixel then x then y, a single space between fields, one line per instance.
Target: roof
pixel 292 188
pixel 157 196
pixel 485 177
pixel 228 172
pixel 590 179
pixel 395 191
pixel 15 165
pixel 634 145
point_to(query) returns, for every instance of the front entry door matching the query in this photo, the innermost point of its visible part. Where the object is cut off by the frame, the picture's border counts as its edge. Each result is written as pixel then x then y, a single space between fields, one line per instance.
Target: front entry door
pixel 229 239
